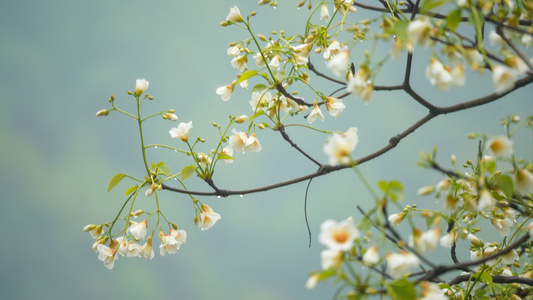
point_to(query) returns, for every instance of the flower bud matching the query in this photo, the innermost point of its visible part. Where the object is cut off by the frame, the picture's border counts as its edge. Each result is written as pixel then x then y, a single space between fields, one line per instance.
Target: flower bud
pixel 241 119
pixel 137 213
pixel 140 86
pixel 89 227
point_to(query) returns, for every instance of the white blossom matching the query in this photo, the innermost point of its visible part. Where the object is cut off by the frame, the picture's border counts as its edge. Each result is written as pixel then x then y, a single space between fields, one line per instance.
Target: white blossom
pixel 324 12
pixel 330 258
pixel 371 256
pixel 234 15
pixel 182 131
pixel 503 78
pixel 138 230
pixel 524 181
pixel 401 264
pixel 339 64
pixel 225 91
pixel 208 217
pixel 339 147
pixel 316 112
pixel 338 236
pixel 500 147
pixel 141 85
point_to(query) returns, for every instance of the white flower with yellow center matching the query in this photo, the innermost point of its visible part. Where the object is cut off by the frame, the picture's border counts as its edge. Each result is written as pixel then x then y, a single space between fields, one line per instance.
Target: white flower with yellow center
pixel 339 147
pixel 500 147
pixel 239 62
pixel 208 217
pixel 524 182
pixel 503 78
pixel 338 236
pixel 182 131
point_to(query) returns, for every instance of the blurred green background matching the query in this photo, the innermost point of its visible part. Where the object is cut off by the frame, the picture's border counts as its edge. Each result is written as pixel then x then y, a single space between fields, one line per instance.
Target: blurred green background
pixel 60 61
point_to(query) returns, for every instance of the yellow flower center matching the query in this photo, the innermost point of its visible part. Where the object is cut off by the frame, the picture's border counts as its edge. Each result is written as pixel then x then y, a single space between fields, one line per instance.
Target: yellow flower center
pixel 496 147
pixel 340 236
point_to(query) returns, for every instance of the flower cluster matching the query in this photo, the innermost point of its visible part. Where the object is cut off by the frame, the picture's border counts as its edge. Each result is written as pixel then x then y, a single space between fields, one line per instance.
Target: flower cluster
pixel 339 237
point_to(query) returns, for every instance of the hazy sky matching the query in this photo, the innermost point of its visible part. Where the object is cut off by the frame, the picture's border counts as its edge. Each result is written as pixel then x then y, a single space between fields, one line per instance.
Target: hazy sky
pixel 59 63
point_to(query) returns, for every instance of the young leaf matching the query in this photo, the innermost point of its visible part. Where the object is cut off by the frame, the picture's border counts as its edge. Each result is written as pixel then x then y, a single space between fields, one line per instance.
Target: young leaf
pixel 247 74
pixel 431 220
pixel 131 189
pixel 506 185
pixel 115 180
pixel 187 171
pixel 401 289
pixel 257 114
pixel 258 88
pixel 429 4
pixel 222 155
pixel 453 19
pixel 395 190
pixel 165 170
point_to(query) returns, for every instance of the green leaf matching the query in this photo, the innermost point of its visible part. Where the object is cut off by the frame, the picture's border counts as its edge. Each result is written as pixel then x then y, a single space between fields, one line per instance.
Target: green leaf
pixel 247 74
pixel 187 171
pixel 489 165
pixel 382 184
pixel 222 155
pixel 429 4
pixel 506 185
pixel 431 220
pixel 393 189
pixel 280 75
pixel 396 190
pixel 257 114
pixel 484 276
pixel 401 289
pixel 453 19
pixel 164 169
pixel 131 189
pixel 399 29
pixel 258 88
pixel 115 180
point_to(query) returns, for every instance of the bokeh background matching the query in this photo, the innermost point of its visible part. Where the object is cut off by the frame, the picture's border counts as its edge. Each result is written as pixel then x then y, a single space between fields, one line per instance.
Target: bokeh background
pixel 59 63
